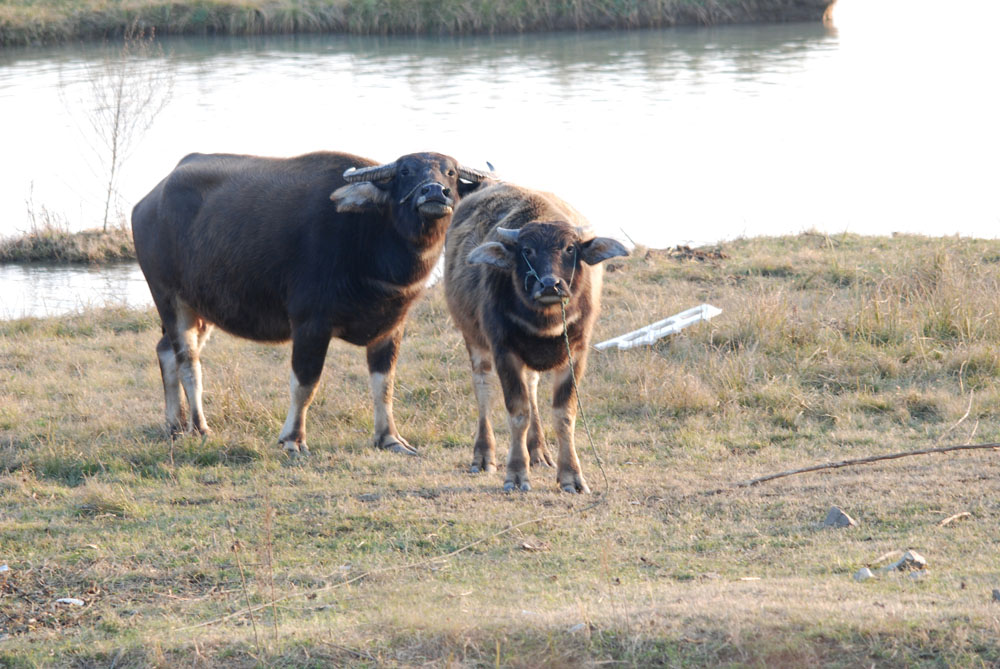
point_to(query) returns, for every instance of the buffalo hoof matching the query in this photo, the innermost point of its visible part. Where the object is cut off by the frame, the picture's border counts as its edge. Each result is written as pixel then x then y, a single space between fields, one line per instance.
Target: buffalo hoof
pixel 295 449
pixel 401 449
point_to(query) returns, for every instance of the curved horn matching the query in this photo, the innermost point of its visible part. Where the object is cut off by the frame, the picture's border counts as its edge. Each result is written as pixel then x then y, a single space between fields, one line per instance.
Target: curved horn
pixel 374 173
pixel 506 235
pixel 476 176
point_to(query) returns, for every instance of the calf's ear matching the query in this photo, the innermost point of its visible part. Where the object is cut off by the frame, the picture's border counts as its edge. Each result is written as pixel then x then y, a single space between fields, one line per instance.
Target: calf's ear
pixel 600 249
pixel 360 197
pixel 492 253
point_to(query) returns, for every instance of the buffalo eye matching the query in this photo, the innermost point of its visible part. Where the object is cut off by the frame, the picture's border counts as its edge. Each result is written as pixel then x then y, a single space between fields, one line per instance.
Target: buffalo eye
pixel 570 250
pixel 451 173
pixel 529 252
pixel 405 171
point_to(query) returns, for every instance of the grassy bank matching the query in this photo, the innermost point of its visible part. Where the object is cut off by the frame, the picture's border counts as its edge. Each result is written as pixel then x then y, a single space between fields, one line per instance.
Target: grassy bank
pixel 53 244
pixel 827 348
pixel 47 21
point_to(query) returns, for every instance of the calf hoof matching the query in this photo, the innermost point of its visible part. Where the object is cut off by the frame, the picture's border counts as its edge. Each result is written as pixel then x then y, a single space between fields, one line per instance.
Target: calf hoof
pixel 516 482
pixel 573 483
pixel 483 460
pixel 541 457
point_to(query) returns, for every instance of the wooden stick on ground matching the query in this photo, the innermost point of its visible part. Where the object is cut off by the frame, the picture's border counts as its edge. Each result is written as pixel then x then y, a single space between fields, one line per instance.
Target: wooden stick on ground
pixel 859 461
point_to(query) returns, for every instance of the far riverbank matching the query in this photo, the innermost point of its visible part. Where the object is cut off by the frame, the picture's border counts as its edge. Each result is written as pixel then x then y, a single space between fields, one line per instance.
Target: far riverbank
pixel 56 21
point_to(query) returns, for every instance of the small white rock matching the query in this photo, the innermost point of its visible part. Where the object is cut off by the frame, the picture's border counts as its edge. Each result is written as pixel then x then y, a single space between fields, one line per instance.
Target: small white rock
pixel 4 568
pixel 72 601
pixel 863 574
pixel 579 627
pixel 837 517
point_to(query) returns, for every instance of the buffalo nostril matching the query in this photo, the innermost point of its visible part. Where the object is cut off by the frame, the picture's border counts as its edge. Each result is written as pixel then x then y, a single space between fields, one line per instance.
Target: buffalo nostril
pixel 447 192
pixel 425 190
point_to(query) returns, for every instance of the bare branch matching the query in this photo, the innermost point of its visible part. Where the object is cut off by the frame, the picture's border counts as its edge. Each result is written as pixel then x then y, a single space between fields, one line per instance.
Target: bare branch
pixel 851 463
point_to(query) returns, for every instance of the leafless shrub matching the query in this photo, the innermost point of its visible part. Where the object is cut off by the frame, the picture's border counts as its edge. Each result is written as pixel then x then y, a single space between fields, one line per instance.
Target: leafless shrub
pixel 128 93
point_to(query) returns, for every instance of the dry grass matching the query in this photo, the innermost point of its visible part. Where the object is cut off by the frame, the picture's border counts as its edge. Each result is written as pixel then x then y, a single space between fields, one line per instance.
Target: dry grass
pixel 54 243
pixel 827 348
pixel 44 21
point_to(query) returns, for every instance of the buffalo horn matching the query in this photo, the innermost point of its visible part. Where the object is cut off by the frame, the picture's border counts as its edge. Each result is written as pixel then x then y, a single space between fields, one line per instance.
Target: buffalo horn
pixel 470 174
pixel 507 235
pixel 374 173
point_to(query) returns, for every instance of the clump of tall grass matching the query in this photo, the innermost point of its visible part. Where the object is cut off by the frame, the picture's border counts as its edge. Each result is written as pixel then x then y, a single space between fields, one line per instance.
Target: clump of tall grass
pixel 53 242
pixel 48 21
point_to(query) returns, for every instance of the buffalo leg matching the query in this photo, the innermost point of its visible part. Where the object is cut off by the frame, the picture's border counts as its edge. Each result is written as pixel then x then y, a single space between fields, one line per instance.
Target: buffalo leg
pixel 538 454
pixel 511 371
pixel 568 474
pixel 484 452
pixel 171 386
pixel 382 375
pixel 309 345
pixel 191 333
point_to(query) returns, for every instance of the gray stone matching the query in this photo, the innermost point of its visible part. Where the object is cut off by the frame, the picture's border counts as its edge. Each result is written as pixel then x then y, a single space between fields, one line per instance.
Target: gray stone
pixel 911 561
pixel 863 575
pixel 996 595
pixel 837 517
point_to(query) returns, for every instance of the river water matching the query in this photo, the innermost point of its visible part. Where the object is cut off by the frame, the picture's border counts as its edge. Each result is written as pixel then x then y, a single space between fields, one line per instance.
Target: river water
pixel 884 123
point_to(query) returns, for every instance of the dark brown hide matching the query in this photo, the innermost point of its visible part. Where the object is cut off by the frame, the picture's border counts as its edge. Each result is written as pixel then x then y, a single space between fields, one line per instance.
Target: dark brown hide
pixel 273 249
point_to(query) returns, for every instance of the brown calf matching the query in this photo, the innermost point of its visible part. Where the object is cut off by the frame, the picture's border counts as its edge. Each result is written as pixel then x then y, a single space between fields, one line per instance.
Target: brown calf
pixel 522 278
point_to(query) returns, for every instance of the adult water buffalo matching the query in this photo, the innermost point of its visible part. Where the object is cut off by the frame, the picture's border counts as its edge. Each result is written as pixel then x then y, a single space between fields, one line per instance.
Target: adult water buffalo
pixel 309 248
pixel 522 276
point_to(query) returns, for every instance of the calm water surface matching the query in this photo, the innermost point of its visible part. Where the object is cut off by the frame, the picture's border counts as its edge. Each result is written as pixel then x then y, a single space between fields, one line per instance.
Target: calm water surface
pixel 886 123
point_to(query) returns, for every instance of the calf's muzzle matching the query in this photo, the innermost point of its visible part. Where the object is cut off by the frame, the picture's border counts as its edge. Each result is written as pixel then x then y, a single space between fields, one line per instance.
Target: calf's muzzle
pixel 550 290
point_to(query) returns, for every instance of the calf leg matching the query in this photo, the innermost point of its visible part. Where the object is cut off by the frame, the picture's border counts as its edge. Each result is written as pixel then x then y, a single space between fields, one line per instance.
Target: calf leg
pixel 537 452
pixel 484 456
pixel 309 345
pixel 568 474
pixel 511 371
pixel 382 375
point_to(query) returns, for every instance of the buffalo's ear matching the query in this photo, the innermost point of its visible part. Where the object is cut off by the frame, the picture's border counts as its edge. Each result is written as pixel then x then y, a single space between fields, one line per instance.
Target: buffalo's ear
pixel 492 253
pixel 469 187
pixel 600 249
pixel 360 197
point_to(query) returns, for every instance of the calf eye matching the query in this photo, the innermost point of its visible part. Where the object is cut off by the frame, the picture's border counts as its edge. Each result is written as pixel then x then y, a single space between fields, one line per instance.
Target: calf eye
pixel 570 250
pixel 451 173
